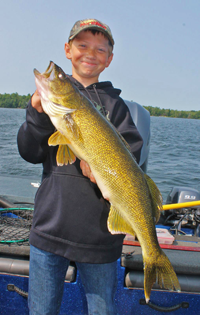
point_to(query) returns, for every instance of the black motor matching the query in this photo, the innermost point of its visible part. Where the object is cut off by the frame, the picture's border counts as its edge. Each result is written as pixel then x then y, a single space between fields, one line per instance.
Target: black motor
pixel 183 217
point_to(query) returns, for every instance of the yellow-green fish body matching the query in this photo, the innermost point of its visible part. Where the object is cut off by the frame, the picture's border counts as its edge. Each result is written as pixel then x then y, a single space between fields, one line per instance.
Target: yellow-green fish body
pixel 135 200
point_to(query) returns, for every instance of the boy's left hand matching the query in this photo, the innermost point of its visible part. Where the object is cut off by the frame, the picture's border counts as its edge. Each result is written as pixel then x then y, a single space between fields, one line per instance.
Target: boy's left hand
pixel 87 171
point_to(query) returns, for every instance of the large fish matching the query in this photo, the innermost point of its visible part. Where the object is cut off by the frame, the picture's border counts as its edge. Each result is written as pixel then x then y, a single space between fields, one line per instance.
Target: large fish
pixel 83 132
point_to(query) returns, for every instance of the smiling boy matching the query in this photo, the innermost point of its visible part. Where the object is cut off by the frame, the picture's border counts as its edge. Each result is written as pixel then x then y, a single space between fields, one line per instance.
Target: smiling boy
pixel 70 215
pixel 90 53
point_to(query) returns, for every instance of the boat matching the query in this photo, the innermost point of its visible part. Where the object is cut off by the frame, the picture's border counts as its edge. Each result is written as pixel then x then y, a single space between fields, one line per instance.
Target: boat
pixel 178 233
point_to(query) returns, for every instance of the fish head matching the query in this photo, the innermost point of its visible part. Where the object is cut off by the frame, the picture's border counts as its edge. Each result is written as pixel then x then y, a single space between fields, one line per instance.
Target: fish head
pixel 53 86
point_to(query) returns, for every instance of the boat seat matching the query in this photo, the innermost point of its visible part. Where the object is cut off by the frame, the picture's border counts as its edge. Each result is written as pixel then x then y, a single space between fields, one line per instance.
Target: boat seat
pixel 21 267
pixel 185 263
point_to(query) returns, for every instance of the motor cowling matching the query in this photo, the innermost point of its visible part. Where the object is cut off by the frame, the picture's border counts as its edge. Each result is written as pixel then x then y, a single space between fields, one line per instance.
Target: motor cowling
pixel 141 118
pixel 180 194
pixel 186 216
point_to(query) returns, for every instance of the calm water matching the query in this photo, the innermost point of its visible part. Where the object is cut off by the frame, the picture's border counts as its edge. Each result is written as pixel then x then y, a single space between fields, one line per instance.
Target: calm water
pixel 174 158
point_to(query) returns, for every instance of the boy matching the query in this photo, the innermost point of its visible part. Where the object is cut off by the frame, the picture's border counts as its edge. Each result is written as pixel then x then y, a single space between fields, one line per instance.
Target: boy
pixel 70 216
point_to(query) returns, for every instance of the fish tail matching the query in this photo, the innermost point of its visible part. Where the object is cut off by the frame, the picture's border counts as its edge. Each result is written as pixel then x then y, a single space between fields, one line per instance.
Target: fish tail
pixel 159 271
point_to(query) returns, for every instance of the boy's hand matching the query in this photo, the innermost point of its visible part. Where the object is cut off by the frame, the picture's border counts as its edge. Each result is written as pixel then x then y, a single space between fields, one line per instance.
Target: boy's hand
pixel 87 171
pixel 36 102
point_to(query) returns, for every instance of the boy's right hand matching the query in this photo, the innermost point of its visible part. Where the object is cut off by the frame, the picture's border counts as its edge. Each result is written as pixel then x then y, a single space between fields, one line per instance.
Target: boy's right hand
pixel 87 171
pixel 36 102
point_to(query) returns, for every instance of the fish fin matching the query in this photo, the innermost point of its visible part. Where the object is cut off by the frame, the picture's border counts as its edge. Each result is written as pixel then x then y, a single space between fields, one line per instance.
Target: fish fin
pixel 120 136
pixel 57 138
pixel 156 197
pixel 65 155
pixel 159 270
pixel 116 224
pixel 72 126
pixel 123 140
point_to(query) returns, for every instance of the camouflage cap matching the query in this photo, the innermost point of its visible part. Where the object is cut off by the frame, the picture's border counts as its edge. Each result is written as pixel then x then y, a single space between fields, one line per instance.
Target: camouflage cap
pixel 91 24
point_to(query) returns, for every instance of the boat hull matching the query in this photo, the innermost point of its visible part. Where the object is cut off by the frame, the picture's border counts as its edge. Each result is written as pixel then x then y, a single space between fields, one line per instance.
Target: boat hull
pixel 129 297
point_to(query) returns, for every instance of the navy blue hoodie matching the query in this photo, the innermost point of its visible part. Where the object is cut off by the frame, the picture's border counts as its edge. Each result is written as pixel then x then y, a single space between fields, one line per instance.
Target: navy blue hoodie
pixel 70 214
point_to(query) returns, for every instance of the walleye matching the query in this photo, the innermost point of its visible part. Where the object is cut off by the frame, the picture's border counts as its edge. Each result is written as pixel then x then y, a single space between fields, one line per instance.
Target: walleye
pixel 83 132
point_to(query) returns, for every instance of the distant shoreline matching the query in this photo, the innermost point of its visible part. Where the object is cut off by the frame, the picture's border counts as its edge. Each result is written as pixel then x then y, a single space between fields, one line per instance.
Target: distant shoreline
pixel 15 100
pixel 173 113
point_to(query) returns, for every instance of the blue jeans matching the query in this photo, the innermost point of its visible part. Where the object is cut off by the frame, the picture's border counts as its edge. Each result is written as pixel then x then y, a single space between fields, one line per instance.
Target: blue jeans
pixel 46 284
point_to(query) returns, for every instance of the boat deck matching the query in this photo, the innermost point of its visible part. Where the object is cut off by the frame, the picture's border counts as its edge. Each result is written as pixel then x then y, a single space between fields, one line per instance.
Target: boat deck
pixel 14 270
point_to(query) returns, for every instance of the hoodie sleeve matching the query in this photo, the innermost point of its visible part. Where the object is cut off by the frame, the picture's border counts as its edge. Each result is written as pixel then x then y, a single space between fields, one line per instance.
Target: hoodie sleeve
pixel 122 120
pixel 33 135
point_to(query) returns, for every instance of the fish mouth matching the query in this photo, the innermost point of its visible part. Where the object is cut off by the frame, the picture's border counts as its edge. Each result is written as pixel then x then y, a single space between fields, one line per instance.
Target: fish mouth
pixel 41 79
pixel 43 85
pixel 47 73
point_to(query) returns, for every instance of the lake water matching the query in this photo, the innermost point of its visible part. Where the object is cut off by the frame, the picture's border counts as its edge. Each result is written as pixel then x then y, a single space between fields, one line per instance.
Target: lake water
pixel 174 158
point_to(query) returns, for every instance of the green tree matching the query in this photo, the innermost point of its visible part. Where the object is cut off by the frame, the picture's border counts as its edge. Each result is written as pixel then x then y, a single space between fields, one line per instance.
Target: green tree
pixel 156 111
pixel 14 100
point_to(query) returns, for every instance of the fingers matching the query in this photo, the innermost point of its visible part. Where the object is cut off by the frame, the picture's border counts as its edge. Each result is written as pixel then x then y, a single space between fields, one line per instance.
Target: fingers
pixel 87 171
pixel 85 168
pixel 36 102
pixel 92 179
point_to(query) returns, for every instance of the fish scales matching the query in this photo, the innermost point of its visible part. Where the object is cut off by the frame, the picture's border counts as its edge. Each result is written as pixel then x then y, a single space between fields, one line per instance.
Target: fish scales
pixel 135 200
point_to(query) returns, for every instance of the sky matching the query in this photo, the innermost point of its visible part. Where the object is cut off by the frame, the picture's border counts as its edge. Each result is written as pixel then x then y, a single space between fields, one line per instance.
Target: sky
pixel 156 55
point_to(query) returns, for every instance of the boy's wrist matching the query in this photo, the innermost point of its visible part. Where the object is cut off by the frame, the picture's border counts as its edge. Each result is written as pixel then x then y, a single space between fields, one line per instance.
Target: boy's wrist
pixel 36 102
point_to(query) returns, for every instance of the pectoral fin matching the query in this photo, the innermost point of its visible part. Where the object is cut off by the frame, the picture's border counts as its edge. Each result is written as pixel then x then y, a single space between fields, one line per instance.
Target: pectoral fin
pixel 57 138
pixel 65 155
pixel 117 224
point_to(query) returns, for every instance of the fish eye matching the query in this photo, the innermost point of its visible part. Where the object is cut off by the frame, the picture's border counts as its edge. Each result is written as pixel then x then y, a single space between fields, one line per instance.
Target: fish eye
pixel 61 74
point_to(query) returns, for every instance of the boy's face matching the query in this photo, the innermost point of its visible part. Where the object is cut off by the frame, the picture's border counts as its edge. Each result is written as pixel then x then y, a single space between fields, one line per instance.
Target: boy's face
pixel 90 55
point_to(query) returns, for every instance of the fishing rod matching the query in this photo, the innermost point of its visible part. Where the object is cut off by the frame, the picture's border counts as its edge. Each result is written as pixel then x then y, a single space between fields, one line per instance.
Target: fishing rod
pixel 189 204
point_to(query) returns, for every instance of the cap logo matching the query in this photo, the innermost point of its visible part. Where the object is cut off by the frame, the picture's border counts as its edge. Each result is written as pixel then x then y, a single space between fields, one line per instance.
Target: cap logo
pixel 92 23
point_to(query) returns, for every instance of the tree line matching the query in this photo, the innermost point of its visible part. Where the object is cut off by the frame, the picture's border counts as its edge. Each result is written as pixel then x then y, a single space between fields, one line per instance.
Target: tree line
pixel 15 100
pixel 156 111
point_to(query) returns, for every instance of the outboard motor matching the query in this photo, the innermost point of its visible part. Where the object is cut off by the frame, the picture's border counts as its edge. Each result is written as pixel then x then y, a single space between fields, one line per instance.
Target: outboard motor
pixel 183 217
pixel 141 118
